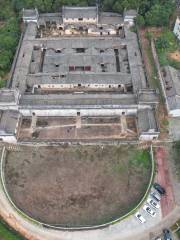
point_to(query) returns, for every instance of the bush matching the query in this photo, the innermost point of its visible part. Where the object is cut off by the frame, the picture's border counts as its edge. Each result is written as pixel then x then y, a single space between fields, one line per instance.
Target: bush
pixel 165 44
pixel 140 21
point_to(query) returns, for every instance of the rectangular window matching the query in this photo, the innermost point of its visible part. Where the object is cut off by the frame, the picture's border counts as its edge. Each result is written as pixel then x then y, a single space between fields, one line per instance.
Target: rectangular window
pixel 71 68
pixel 79 68
pixel 80 50
pixel 87 68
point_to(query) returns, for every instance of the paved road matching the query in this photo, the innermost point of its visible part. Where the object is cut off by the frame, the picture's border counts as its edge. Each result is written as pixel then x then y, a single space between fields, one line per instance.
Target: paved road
pixel 163 177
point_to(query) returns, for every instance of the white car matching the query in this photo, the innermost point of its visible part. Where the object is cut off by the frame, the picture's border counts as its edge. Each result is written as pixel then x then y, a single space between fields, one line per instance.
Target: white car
pixel 156 196
pixel 149 211
pixel 153 203
pixel 140 217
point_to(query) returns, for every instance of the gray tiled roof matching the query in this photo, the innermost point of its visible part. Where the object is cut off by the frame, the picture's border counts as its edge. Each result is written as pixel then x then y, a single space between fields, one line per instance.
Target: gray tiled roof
pixel 75 100
pixel 79 12
pixel 146 120
pixel 172 86
pixel 8 121
pixel 84 78
pixel 30 14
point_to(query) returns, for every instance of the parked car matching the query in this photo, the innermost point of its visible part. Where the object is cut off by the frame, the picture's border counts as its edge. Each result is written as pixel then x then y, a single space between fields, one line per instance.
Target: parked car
pixel 140 217
pixel 156 196
pixel 153 203
pixel 167 234
pixel 149 211
pixel 159 188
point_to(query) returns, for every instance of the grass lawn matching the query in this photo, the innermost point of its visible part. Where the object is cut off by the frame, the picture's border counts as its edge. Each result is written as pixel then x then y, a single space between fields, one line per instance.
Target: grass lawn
pixel 8 234
pixel 178 233
pixel 176 154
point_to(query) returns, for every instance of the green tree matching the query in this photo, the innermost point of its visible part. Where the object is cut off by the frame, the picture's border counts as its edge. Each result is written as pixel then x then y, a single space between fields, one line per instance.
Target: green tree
pixel 140 20
pixel 158 15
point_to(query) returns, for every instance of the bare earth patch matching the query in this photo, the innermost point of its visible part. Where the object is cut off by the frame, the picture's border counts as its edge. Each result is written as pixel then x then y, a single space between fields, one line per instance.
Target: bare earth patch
pixel 175 55
pixel 76 185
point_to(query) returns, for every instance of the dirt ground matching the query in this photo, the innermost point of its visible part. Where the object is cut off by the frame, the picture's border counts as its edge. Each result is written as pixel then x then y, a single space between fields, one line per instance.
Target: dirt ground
pixel 76 185
pixel 163 177
pixel 175 55
pixel 59 128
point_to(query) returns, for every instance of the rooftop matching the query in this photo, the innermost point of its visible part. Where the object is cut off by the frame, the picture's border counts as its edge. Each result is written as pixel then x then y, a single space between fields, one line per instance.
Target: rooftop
pixel 79 12
pixel 147 121
pixel 84 78
pixel 30 14
pixel 8 122
pixel 78 100
pixel 130 12
pixel 172 86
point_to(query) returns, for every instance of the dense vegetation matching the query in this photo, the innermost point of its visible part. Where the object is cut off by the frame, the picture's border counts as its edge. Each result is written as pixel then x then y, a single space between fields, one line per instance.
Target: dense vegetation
pixel 9 35
pixel 165 44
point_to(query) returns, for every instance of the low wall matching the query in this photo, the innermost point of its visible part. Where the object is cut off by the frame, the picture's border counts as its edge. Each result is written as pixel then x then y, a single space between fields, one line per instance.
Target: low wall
pixel 157 64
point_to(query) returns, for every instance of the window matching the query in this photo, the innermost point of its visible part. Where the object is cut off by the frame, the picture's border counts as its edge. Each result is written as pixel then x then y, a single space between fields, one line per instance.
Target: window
pixel 80 50
pixel 87 68
pixel 79 68
pixel 71 68
pixel 54 76
pixel 78 114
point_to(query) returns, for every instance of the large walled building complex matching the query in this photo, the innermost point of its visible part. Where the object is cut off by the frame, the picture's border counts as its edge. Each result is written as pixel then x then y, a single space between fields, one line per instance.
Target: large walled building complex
pixel 78 75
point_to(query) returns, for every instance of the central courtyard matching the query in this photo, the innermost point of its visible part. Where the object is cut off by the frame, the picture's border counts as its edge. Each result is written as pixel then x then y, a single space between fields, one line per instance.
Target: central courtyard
pixel 77 185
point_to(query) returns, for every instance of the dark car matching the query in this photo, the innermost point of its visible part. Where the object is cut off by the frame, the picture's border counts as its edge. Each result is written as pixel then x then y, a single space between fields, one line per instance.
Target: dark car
pixel 160 189
pixel 167 234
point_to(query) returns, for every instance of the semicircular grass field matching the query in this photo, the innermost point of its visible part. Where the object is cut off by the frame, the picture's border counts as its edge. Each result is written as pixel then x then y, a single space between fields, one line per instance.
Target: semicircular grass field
pixel 77 185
